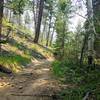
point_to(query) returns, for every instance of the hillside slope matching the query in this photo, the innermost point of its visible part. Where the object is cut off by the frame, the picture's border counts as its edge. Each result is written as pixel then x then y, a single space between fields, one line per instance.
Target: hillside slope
pixel 20 51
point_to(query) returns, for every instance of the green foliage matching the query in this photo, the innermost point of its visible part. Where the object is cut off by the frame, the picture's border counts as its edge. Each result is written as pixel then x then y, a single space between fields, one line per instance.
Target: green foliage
pixel 78 92
pixel 62 5
pixel 61 26
pixel 71 94
pixel 64 69
pixel 96 15
pixel 58 70
pixel 82 79
pixel 18 6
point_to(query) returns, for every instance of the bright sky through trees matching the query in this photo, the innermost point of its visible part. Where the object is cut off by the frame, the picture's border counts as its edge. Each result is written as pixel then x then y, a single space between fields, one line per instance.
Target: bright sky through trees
pixel 81 11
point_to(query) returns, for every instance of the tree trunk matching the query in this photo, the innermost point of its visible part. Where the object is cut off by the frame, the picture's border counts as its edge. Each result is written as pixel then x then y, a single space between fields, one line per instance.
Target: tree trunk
pixel 19 19
pixel 48 34
pixel 91 33
pixel 1 16
pixel 83 47
pixel 63 37
pixel 10 15
pixel 6 10
pixel 52 36
pixel 96 11
pixel 35 12
pixel 44 27
pixel 38 26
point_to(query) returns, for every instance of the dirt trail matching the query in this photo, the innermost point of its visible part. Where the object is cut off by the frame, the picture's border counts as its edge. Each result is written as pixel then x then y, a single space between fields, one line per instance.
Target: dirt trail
pixel 33 83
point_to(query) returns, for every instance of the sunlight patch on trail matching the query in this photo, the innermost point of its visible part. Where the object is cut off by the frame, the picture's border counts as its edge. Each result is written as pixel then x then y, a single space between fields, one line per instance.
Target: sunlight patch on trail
pixel 42 71
pixel 39 82
pixel 4 85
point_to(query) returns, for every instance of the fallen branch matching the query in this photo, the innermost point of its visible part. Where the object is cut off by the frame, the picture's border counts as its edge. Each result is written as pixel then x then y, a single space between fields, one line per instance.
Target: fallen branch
pixel 86 96
pixel 89 96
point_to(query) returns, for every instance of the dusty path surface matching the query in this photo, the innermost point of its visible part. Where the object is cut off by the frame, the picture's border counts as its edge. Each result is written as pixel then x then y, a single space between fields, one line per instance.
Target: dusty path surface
pixel 33 83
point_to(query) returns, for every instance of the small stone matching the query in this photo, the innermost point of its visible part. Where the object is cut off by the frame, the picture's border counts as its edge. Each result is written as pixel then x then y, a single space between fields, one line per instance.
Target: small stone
pixel 20 81
pixel 20 87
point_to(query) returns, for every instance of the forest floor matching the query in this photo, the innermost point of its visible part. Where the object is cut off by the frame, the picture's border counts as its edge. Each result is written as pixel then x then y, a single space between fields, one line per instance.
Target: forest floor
pixel 35 82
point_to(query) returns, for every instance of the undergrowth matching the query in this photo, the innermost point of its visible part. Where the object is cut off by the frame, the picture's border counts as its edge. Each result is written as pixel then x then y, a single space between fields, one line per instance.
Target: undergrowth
pixel 82 78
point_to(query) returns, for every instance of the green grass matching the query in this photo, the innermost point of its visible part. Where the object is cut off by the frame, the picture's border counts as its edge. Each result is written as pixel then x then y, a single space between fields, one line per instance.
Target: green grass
pixel 14 62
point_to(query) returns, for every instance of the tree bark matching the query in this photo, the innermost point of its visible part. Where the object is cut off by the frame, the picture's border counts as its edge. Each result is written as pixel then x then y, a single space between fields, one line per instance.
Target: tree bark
pixel 52 36
pixel 44 27
pixel 83 47
pixel 6 10
pixel 38 26
pixel 48 34
pixel 96 11
pixel 1 17
pixel 91 33
pixel 35 12
pixel 63 37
